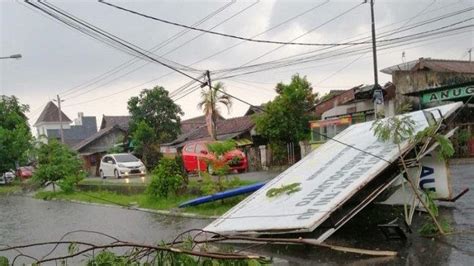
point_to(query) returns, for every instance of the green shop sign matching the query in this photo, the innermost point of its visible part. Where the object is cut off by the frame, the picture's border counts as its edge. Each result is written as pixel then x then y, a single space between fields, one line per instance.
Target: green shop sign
pixel 447 94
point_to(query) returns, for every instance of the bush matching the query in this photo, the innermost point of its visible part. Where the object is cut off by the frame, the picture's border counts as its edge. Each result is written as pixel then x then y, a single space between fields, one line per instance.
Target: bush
pixel 209 186
pixel 69 183
pixel 167 178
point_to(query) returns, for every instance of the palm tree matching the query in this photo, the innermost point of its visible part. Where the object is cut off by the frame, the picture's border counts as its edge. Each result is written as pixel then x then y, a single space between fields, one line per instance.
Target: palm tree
pixel 209 100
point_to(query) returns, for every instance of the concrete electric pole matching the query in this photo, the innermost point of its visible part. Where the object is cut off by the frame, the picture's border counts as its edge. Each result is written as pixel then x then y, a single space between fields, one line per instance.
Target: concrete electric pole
pixel 61 131
pixel 377 90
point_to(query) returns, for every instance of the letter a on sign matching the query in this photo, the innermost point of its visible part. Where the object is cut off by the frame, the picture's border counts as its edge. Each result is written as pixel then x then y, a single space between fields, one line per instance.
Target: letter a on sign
pixel 426 171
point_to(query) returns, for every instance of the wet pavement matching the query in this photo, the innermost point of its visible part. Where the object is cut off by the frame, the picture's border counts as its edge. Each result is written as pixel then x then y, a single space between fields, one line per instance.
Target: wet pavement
pixel 27 220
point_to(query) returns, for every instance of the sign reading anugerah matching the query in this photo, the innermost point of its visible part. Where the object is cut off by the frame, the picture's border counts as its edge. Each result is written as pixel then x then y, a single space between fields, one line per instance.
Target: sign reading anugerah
pixel 328 177
pixel 447 94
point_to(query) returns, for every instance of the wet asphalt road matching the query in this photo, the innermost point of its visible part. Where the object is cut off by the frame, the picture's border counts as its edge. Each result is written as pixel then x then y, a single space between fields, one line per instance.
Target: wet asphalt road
pixel 26 220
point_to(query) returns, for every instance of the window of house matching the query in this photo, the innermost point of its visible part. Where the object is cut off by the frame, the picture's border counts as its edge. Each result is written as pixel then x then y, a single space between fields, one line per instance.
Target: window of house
pixel 317 131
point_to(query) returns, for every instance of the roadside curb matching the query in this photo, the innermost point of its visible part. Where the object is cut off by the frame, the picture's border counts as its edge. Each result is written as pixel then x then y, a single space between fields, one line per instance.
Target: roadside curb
pixel 162 212
pixel 461 161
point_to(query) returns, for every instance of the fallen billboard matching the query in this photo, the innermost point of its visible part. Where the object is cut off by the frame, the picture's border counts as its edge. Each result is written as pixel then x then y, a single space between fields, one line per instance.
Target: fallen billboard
pixel 336 180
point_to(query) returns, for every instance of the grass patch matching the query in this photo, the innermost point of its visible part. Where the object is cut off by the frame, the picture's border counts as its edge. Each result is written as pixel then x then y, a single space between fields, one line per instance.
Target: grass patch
pixel 9 189
pixel 105 197
pixel 429 229
pixel 143 201
pixel 100 182
pixel 100 191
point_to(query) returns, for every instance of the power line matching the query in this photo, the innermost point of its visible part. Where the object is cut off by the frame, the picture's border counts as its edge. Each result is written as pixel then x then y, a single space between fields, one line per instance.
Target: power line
pixel 229 35
pixel 382 49
pixel 261 33
pixel 176 48
pixel 315 57
pixel 215 26
pixel 115 40
pixel 187 92
pixel 258 34
pixel 100 34
pixel 436 40
pixel 167 74
pixel 112 94
pixel 142 53
pixel 159 46
pixel 357 59
pixel 313 8
pixel 221 50
pixel 328 57
pixel 431 20
pixel 306 33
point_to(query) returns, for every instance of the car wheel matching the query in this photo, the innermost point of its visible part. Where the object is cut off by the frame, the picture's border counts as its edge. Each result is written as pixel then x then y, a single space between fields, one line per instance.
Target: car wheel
pixel 101 173
pixel 116 174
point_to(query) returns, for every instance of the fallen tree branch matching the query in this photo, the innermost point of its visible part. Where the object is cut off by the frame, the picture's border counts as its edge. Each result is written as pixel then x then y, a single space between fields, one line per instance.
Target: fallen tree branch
pixel 303 241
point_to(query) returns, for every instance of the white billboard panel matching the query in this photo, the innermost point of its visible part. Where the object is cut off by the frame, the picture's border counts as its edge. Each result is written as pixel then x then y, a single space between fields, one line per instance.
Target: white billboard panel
pixel 329 176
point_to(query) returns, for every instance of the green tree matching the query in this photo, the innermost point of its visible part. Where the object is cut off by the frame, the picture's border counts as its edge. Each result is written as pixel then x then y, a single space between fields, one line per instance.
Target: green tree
pixel 155 120
pixel 15 135
pixel 286 117
pixel 146 144
pixel 57 162
pixel 209 105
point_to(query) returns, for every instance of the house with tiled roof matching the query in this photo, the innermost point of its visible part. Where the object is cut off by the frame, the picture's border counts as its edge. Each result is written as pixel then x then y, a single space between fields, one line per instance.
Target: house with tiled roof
pixel 237 128
pixel 48 126
pixel 191 124
pixel 49 119
pixel 100 143
pixel 122 121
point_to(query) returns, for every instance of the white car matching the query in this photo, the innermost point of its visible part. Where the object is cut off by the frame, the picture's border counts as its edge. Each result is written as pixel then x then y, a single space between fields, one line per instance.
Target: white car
pixel 121 165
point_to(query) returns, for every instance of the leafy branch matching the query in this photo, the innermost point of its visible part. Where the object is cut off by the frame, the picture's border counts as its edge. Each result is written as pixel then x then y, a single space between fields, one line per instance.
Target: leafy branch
pixel 401 128
pixel 287 189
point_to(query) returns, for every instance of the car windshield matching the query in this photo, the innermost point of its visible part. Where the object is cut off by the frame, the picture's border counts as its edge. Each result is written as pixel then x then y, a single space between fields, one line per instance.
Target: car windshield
pixel 125 158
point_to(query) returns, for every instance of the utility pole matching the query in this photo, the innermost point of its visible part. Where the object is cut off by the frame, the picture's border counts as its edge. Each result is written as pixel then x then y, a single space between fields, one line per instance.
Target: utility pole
pixel 377 91
pixel 469 51
pixel 61 131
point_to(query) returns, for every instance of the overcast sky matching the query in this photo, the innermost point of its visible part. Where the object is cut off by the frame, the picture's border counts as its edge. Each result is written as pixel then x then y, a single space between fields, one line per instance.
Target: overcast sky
pixel 57 58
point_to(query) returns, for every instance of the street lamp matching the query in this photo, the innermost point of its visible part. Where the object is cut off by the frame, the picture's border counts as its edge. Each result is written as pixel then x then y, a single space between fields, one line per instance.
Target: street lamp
pixel 13 56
